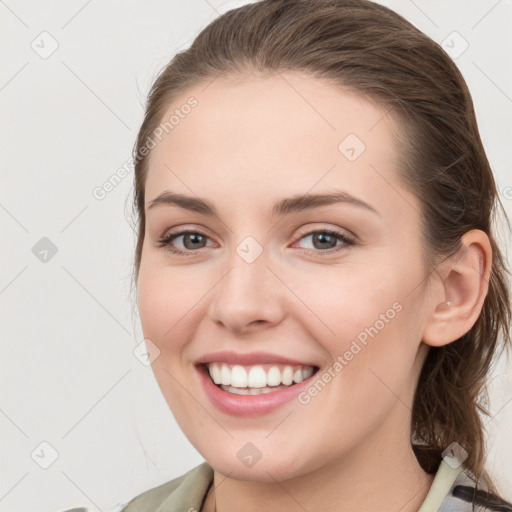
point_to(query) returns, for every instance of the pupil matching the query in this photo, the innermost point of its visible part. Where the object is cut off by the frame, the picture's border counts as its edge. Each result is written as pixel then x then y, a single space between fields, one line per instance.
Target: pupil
pixel 193 237
pixel 321 239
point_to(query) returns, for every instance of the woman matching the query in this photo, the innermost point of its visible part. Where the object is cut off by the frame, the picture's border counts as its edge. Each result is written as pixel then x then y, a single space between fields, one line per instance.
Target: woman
pixel 317 274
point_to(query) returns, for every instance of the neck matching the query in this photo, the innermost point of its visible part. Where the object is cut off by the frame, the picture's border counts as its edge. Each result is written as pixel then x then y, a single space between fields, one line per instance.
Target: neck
pixel 379 476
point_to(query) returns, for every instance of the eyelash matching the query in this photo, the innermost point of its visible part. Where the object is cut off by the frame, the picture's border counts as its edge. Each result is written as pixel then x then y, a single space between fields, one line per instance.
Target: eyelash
pixel 166 240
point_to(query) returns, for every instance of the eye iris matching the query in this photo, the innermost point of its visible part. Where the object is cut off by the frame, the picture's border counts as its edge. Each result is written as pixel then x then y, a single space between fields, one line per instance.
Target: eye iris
pixel 321 238
pixel 192 237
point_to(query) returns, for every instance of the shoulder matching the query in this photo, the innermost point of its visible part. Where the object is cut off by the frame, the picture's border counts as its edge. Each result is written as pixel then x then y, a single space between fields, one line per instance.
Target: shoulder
pixel 185 493
pixel 455 488
pixel 466 496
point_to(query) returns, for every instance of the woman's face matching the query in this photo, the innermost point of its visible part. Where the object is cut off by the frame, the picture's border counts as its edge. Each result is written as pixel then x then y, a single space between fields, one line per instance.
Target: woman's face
pixel 259 274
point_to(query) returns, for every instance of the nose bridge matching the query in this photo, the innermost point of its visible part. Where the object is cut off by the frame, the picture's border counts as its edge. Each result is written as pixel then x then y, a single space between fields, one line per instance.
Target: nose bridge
pixel 248 292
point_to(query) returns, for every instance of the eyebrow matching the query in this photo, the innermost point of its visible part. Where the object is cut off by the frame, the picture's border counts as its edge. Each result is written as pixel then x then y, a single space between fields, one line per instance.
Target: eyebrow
pixel 292 204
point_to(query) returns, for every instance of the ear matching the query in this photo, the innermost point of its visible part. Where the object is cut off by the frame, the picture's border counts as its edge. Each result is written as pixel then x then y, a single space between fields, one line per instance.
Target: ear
pixel 458 302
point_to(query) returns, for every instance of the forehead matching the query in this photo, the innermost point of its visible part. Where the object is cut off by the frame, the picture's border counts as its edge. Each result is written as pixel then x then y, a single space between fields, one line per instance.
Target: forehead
pixel 267 134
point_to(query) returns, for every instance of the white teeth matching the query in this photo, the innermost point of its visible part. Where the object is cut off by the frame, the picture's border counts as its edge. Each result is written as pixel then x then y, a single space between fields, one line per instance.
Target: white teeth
pixel 255 377
pixel 238 377
pixel 287 375
pixel 307 372
pixel 215 373
pixel 225 375
pixel 274 376
pixel 250 391
pixel 297 376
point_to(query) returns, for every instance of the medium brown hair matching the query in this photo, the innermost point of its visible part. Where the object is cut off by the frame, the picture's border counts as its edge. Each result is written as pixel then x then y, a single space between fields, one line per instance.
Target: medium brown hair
pixel 369 49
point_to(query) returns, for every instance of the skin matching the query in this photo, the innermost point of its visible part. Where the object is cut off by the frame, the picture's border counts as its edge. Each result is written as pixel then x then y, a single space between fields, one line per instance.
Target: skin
pixel 248 143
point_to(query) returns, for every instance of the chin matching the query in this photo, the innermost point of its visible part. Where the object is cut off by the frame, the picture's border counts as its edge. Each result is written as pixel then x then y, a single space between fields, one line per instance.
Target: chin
pixel 274 467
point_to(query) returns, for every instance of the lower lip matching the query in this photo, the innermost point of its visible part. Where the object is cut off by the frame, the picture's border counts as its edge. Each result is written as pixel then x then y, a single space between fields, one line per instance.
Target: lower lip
pixel 249 405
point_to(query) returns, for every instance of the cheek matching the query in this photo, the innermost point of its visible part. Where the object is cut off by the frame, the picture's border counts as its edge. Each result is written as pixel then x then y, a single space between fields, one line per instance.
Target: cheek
pixel 343 302
pixel 166 298
pixel 366 322
pixel 166 302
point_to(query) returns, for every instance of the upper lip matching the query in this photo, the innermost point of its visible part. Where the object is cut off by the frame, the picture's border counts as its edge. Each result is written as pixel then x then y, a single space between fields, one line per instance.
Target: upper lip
pixel 248 359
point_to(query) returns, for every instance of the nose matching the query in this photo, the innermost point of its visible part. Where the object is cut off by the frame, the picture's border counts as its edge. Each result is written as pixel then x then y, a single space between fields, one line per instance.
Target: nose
pixel 249 297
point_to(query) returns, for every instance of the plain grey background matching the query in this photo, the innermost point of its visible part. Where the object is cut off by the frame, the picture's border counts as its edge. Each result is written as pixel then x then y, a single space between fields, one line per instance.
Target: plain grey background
pixel 82 420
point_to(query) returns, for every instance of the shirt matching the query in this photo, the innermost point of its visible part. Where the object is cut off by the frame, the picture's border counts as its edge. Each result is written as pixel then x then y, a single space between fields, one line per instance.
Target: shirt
pixel 452 490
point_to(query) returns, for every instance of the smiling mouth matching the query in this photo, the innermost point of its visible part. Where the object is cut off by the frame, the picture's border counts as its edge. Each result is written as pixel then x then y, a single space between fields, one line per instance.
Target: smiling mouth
pixel 256 379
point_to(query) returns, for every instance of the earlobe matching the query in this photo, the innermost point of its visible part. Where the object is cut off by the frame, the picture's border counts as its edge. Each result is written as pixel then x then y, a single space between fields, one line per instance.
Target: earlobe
pixel 465 282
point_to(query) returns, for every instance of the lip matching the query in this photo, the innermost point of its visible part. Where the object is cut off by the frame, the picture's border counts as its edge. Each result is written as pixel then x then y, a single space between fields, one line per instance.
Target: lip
pixel 249 359
pixel 249 405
